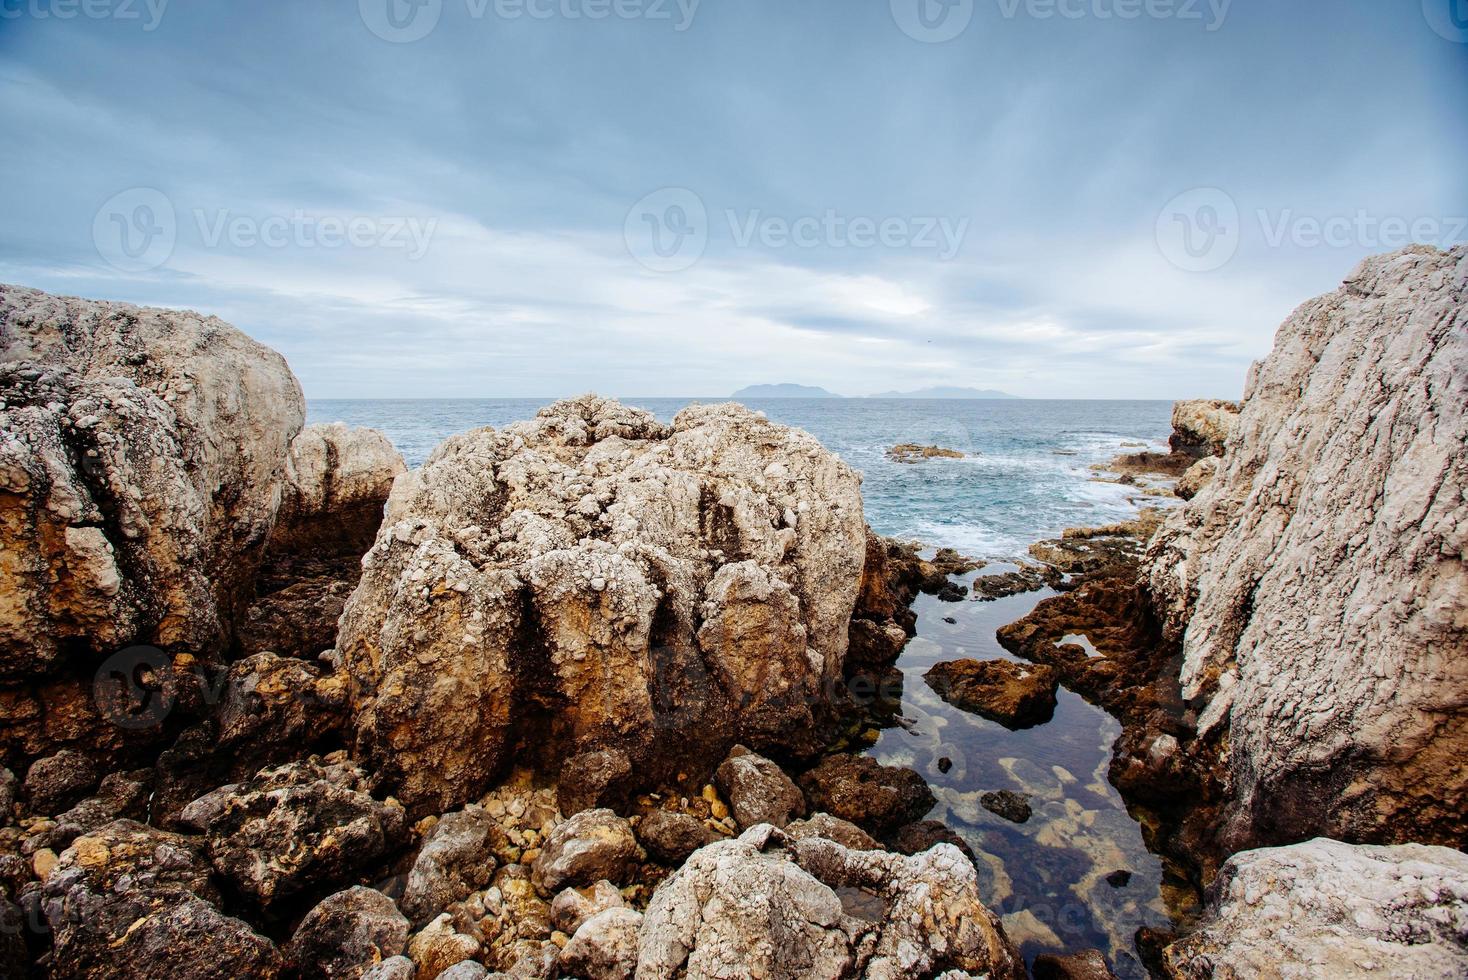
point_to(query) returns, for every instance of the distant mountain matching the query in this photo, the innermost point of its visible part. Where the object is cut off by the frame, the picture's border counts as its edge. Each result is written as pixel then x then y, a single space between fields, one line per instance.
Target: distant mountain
pixel 946 392
pixel 783 391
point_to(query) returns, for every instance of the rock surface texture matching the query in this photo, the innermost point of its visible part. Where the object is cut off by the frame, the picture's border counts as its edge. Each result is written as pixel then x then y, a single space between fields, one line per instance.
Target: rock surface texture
pixel 765 904
pixel 594 580
pixel 1201 427
pixel 1327 909
pixel 1318 585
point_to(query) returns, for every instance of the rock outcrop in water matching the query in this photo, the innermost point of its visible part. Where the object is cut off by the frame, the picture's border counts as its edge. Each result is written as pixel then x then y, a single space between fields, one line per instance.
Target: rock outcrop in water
pixel 596 581
pixel 1318 588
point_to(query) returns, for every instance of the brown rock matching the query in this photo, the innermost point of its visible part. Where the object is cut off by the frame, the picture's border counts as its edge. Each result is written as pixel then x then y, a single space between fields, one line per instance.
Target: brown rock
pixel 758 790
pixel 671 837
pixel 875 797
pixel 1086 965
pixel 909 452
pixel 346 934
pixel 1015 695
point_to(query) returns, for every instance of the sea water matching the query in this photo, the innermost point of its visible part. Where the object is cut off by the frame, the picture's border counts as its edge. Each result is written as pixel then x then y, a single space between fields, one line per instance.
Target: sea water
pixel 1026 475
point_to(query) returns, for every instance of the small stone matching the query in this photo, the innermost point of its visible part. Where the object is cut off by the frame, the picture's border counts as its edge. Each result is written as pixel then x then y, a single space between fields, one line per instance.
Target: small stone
pixel 1119 879
pixel 945 764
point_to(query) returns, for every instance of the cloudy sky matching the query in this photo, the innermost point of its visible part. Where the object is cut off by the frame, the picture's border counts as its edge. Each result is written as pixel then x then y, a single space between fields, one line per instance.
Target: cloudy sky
pixel 480 198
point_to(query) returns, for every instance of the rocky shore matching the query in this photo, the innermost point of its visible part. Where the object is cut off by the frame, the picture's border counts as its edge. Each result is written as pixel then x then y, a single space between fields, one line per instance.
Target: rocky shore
pixel 586 696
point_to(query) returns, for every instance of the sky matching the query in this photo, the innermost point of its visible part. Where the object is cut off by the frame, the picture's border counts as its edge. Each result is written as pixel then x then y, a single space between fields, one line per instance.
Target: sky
pixel 527 198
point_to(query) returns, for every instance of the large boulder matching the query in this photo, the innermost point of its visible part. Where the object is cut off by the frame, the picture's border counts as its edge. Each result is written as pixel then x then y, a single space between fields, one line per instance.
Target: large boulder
pixel 875 797
pixel 758 790
pixel 346 934
pixel 1317 585
pixel 766 904
pixel 605 582
pixel 142 458
pixel 1327 909
pixel 131 901
pixel 1015 695
pixel 457 859
pixel 594 845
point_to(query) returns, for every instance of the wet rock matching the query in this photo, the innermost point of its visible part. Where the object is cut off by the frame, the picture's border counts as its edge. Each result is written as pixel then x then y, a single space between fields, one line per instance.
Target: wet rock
pixel 438 946
pixel 758 790
pixel 921 835
pixel 589 847
pixel 298 826
pixel 132 901
pixel 1315 586
pixel 1119 878
pixel 573 906
pixel 908 452
pixel 843 832
pixel 945 764
pixel 1323 908
pixel 670 837
pixel 457 858
pixel 59 781
pixel 1086 965
pixel 1006 803
pixel 145 451
pixel 346 934
pixel 605 947
pixel 875 797
pixel 1015 695
pixel 593 780
pixel 1026 578
pixel 765 904
pixel 560 569
pixel 953 592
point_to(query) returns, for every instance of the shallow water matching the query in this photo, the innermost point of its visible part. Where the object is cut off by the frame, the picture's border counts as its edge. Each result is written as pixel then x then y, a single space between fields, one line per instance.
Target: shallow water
pixel 1027 477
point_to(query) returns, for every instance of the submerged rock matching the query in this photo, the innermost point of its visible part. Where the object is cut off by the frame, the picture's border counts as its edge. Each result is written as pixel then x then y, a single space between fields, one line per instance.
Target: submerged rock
pixel 1006 803
pixel 553 575
pixel 1015 695
pixel 765 904
pixel 1327 909
pixel 1317 585
pixel 875 797
pixel 1086 965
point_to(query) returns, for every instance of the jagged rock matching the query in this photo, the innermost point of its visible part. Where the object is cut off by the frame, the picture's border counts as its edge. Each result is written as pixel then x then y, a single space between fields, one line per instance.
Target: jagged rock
pixel 758 790
pixel 297 826
pixel 1013 694
pixel 573 906
pixel 1327 909
pixel 605 947
pixel 843 832
pixel 1086 965
pixel 764 904
pixel 1198 476
pixel 346 934
pixel 1201 427
pixel 142 457
pixel 457 858
pixel 592 780
pixel 1318 586
pixel 872 796
pixel 554 572
pixel 120 795
pixel 1006 803
pixel 438 946
pixel 59 781
pixel 132 901
pixel 591 846
pixel 671 837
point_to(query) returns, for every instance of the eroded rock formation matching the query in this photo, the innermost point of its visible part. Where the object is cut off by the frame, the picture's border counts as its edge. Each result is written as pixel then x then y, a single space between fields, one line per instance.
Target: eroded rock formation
pixel 593 580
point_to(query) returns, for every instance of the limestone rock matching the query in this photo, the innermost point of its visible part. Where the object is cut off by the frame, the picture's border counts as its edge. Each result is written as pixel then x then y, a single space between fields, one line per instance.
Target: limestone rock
pixel 1327 909
pixel 573 906
pixel 457 858
pixel 142 457
pixel 556 573
pixel 1201 427
pixel 909 452
pixel 337 481
pixel 134 902
pixel 1013 694
pixel 592 780
pixel 605 947
pixel 843 832
pixel 346 934
pixel 1198 476
pixel 395 968
pixel 297 826
pixel 671 837
pixel 591 846
pixel 765 904
pixel 1318 586
pixel 758 790
pixel 875 797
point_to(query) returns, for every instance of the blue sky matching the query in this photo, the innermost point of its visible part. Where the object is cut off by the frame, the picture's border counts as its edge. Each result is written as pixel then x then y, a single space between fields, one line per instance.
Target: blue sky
pixel 1059 198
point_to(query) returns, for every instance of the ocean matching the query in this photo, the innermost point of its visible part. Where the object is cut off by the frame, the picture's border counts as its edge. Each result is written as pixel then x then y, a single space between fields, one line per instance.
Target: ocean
pixel 1027 475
